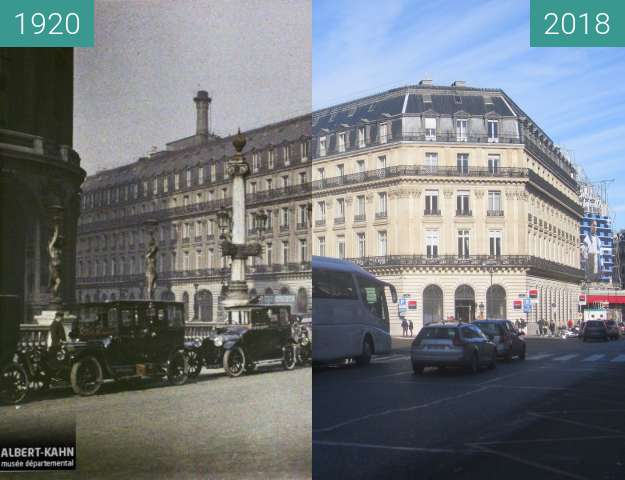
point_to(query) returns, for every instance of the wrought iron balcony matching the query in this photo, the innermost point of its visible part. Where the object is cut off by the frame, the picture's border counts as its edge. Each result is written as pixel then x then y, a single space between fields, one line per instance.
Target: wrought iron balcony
pixel 339 221
pixel 320 223
pixel 381 215
pixel 464 213
pixel 302 226
pixel 361 217
pixel 494 213
pixel 431 212
pixel 284 228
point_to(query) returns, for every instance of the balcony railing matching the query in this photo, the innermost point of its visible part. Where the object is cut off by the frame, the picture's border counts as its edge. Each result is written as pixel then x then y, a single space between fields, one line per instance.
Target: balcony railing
pixel 430 212
pixel 302 226
pixel 381 215
pixel 534 264
pixel 339 221
pixel 320 223
pixel 464 213
pixel 494 213
pixel 417 171
pixel 361 217
pixel 284 228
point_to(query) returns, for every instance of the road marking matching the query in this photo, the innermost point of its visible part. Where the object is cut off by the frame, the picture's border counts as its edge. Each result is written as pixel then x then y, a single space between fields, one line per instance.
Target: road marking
pixel 594 358
pixel 397 410
pixel 565 358
pixel 540 466
pixel 539 357
pixel 573 422
pixel 383 447
pixel 619 358
pixel 391 358
pixel 552 440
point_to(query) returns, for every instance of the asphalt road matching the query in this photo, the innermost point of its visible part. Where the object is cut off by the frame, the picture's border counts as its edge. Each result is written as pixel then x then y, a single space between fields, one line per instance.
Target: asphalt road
pixel 558 414
pixel 255 426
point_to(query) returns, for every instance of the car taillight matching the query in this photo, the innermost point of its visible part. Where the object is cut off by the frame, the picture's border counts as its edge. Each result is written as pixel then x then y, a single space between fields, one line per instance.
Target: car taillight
pixel 504 338
pixel 457 342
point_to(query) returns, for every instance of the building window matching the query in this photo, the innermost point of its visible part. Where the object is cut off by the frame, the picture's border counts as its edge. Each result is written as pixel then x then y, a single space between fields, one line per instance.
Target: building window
pixel 213 172
pixel 285 181
pixel 381 162
pixel 430 129
pixel 461 130
pixel 252 187
pixel 431 202
pixel 198 198
pixel 321 246
pixel 200 175
pixel 185 262
pixel 304 150
pixel 284 219
pixel 493 164
pixel 493 131
pixel 255 162
pixel 269 221
pixel 341 142
pixel 210 258
pixel 382 244
pixel 431 243
pixel 340 170
pixel 361 244
pixel 494 201
pixel 360 206
pixel 340 208
pixel 360 166
pixel 270 159
pixel 462 163
pixel 302 216
pixel 185 201
pixel 463 243
pixel 340 246
pixel 322 173
pixel 165 184
pixel 431 161
pixel 269 184
pixel 361 137
pixel 382 204
pixel 321 212
pixel 285 252
pixel 302 178
pixel 176 181
pixel 494 237
pixel 285 155
pixel 322 146
pixel 188 177
pixel 303 250
pixel 462 203
pixel 269 254
pixel 383 133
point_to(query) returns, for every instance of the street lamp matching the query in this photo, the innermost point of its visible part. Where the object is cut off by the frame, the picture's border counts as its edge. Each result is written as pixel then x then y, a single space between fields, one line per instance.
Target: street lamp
pixel 225 223
pixel 260 220
pixel 309 210
pixel 481 307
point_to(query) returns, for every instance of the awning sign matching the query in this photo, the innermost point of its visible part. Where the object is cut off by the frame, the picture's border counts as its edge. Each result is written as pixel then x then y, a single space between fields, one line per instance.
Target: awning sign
pixel 533 293
pixel 412 304
pixel 517 304
pixel 582 299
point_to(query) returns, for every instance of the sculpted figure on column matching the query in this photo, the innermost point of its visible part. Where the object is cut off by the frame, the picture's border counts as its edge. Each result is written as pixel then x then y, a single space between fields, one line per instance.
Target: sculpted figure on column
pixel 55 251
pixel 150 269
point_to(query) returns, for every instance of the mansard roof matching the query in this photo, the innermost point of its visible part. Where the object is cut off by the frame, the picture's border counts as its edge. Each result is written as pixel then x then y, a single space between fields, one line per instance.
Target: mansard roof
pixel 211 148
pixel 416 100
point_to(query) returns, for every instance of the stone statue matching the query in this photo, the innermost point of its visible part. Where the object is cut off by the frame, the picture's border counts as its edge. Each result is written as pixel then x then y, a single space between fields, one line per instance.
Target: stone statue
pixel 150 269
pixel 55 250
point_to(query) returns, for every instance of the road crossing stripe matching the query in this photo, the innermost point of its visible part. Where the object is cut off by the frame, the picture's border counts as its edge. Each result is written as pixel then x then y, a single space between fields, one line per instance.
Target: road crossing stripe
pixel 564 358
pixel 594 358
pixel 619 358
pixel 539 357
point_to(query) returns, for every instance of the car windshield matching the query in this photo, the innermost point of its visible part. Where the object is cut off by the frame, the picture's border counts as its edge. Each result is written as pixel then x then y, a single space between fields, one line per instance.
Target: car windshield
pixel 610 323
pixel 489 328
pixel 438 333
pixel 594 324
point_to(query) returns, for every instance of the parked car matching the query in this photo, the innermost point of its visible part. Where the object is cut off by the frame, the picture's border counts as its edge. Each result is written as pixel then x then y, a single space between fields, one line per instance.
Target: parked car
pixel 621 327
pixel 259 336
pixel 13 376
pixel 123 340
pixel 452 345
pixel 508 340
pixel 595 329
pixel 614 332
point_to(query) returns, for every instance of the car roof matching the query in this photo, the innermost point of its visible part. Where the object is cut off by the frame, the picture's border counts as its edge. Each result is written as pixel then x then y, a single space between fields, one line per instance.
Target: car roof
pixel 490 321
pixel 338 265
pixel 445 324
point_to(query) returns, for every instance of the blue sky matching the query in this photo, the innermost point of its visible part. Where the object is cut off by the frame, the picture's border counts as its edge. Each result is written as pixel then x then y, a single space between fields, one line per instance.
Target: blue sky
pixel 577 95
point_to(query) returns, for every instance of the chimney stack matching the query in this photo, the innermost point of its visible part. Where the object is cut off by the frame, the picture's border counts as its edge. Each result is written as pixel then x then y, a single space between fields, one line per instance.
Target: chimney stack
pixel 425 82
pixel 459 83
pixel 202 104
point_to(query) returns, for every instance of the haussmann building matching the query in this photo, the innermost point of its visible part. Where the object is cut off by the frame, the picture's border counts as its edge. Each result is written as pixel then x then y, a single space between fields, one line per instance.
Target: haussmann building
pixel 453 194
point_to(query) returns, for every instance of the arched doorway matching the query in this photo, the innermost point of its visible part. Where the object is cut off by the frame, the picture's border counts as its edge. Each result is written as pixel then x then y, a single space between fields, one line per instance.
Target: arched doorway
pixel 104 298
pixel 185 300
pixel 131 296
pixel 465 303
pixel 432 304
pixel 268 291
pixel 204 303
pixel 113 297
pixel 87 298
pixel 302 300
pixel 284 290
pixel 252 293
pixel 496 302
pixel 168 296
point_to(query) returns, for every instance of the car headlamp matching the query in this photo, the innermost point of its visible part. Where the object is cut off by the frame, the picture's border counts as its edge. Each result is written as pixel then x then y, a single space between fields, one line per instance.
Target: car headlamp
pixel 219 341
pixel 304 341
pixel 60 355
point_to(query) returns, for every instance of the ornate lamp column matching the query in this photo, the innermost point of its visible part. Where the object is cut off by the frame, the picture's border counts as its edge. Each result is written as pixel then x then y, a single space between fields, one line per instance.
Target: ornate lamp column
pixel 55 252
pixel 235 245
pixel 151 273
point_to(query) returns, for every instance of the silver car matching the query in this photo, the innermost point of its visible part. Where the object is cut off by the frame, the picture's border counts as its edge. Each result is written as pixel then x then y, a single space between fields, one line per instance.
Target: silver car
pixel 452 345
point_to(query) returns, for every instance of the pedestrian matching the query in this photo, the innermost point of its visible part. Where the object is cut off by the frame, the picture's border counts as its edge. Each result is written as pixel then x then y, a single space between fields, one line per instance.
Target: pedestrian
pixel 57 332
pixel 541 327
pixel 404 326
pixel 552 328
pixel 410 326
pixel 517 324
pixel 569 324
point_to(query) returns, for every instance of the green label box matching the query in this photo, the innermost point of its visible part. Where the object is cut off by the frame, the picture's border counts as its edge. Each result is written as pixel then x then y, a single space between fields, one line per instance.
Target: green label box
pixel 46 23
pixel 577 23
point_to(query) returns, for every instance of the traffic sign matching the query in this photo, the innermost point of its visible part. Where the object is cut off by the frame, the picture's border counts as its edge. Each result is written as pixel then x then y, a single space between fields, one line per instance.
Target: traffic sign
pixel 527 305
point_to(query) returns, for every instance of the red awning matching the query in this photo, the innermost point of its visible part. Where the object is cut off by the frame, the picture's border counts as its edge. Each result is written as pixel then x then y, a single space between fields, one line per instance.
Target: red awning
pixel 612 299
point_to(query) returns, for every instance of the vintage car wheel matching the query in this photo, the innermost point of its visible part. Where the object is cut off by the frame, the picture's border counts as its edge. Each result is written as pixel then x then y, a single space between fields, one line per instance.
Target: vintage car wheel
pixel 178 368
pixel 195 362
pixel 234 362
pixel 13 384
pixel 367 351
pixel 289 358
pixel 86 376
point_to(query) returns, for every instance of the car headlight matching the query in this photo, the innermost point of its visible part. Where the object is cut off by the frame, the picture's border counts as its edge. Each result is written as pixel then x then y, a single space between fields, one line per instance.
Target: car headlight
pixel 219 341
pixel 60 355
pixel 304 341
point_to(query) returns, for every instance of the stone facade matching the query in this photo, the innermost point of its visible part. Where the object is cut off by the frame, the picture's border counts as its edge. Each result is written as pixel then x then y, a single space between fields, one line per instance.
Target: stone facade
pixel 441 187
pixel 183 188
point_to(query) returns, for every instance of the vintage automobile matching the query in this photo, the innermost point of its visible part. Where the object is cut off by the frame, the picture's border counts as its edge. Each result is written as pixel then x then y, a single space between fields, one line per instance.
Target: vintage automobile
pixel 122 340
pixel 304 341
pixel 257 336
pixel 13 376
